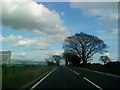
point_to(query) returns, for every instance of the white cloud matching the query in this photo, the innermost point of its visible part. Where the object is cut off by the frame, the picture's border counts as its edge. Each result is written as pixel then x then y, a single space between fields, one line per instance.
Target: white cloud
pixel 53 52
pixel 32 44
pixel 10 38
pixel 93 5
pixel 107 11
pixel 62 13
pixel 21 54
pixel 15 0
pixel 107 54
pixel 109 39
pixel 34 18
pixel 18 55
pixel 90 0
pixel 1 38
pixel 39 43
pixel 18 41
pixel 112 31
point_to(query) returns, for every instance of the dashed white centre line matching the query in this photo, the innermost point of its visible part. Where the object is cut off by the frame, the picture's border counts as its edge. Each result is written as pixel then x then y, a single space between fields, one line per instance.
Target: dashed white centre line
pixel 93 83
pixel 76 72
pixel 87 80
pixel 41 80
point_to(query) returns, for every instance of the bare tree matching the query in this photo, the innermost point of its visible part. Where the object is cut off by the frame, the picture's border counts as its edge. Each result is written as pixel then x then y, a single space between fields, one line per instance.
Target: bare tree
pixel 84 45
pixel 104 59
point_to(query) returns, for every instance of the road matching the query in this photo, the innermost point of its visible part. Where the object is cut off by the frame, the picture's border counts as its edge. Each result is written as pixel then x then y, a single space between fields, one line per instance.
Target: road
pixel 66 77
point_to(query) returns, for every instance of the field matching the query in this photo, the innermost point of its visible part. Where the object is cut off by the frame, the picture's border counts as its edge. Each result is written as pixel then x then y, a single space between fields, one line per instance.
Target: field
pixel 16 77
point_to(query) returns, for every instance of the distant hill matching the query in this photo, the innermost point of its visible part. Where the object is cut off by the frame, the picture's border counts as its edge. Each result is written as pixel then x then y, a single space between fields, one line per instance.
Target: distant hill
pixel 28 62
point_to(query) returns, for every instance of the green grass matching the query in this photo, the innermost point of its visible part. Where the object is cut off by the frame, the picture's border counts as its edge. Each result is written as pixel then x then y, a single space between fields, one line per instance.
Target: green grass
pixel 16 77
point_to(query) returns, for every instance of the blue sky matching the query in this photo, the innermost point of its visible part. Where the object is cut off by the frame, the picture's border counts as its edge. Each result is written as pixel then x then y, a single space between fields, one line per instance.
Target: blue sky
pixel 34 31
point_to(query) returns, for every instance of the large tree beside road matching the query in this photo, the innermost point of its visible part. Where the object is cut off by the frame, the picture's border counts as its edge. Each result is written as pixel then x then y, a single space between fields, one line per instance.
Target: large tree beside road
pixel 84 46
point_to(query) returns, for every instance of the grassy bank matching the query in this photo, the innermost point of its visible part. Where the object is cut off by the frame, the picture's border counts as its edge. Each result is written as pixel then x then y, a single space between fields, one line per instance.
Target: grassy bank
pixel 15 77
pixel 114 71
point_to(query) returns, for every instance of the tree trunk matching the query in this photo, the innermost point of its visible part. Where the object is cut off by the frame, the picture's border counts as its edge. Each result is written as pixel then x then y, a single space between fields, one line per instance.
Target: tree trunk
pixel 66 62
pixel 84 61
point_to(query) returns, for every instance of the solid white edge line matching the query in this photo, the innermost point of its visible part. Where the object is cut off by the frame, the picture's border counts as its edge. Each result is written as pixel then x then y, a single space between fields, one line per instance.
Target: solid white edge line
pixel 41 80
pixel 93 83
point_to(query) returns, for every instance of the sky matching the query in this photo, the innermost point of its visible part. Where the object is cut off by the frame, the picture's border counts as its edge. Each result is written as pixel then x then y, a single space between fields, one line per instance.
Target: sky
pixel 36 30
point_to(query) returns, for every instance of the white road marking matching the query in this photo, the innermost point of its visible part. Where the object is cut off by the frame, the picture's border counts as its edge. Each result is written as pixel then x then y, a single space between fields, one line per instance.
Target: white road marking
pixel 93 83
pixel 41 80
pixel 76 72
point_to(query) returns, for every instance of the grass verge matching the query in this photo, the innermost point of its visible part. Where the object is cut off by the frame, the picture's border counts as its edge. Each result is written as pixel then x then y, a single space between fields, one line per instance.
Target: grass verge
pixel 16 77
pixel 113 71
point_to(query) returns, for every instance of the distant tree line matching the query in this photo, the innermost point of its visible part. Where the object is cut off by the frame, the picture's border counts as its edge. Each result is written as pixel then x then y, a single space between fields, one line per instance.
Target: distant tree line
pixel 53 60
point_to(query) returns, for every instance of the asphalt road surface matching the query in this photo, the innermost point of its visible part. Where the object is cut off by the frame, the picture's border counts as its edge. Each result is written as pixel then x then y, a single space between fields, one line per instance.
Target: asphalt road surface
pixel 66 77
